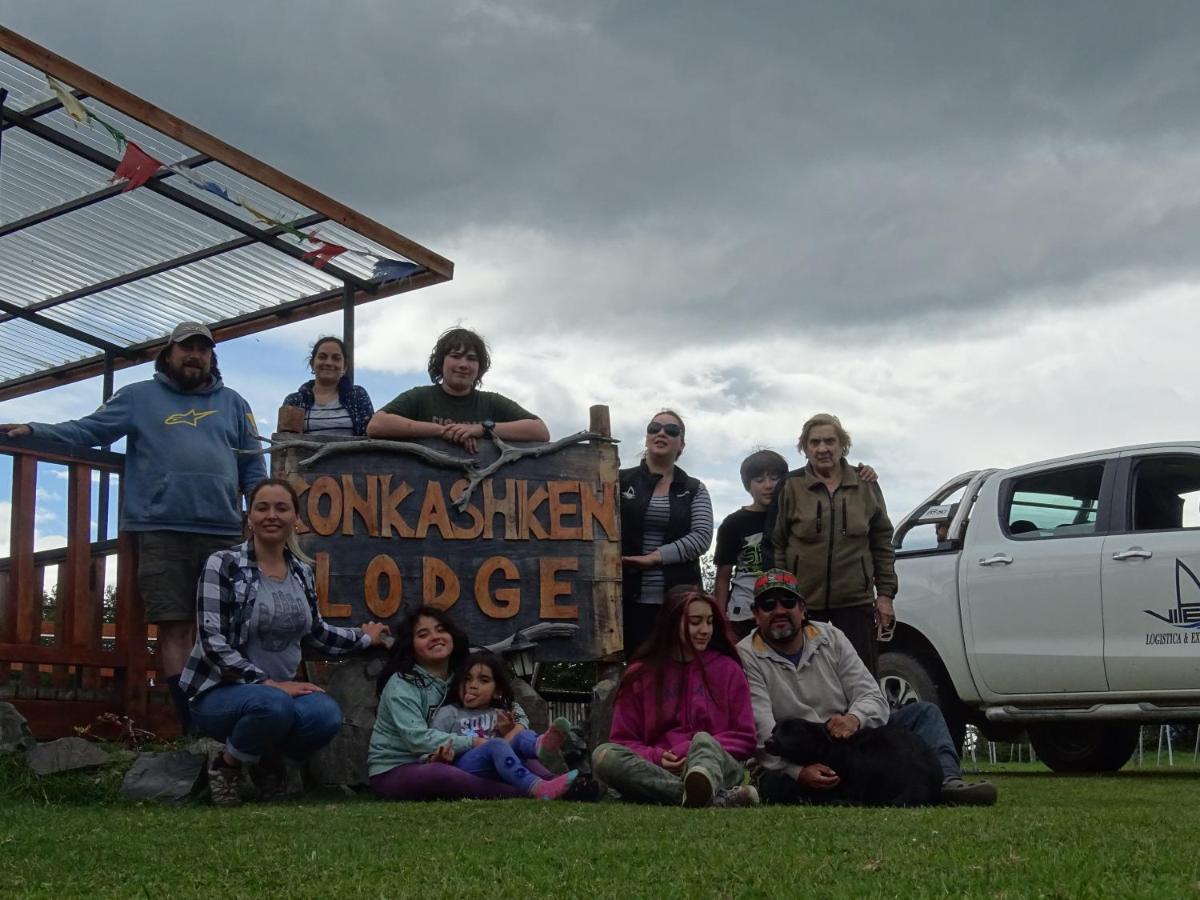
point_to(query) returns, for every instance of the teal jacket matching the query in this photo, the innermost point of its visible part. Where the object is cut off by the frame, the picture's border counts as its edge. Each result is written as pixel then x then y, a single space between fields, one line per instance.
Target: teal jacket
pixel 402 734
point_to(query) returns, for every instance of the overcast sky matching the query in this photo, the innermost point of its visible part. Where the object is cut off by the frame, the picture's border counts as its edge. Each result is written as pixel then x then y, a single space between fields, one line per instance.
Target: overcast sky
pixel 971 230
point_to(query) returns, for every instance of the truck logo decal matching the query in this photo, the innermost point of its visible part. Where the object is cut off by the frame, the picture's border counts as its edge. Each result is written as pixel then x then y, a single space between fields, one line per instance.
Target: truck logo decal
pixel 1184 615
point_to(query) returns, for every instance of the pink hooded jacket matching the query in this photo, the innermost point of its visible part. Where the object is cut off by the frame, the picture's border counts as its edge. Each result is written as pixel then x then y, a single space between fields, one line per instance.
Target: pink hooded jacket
pixel 688 708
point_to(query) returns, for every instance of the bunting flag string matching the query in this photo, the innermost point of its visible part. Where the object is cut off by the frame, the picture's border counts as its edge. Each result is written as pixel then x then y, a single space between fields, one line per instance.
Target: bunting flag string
pixel 323 253
pixel 137 167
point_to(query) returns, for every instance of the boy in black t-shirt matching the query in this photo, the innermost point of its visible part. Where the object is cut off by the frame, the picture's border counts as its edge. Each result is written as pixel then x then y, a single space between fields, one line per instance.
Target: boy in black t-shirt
pixel 739 554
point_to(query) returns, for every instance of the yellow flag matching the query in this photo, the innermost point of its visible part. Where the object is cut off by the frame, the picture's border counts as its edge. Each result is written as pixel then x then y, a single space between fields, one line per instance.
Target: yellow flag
pixel 71 106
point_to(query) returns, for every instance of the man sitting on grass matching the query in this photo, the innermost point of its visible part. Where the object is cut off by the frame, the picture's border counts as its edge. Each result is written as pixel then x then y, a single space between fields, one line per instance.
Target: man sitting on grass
pixel 799 669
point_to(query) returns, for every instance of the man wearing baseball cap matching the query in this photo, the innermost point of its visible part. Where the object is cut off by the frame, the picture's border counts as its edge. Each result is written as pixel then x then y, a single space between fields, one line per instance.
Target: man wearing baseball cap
pixel 182 481
pixel 801 669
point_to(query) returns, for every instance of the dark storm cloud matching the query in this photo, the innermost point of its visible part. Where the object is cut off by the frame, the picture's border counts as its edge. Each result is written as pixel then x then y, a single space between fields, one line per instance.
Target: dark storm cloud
pixel 836 167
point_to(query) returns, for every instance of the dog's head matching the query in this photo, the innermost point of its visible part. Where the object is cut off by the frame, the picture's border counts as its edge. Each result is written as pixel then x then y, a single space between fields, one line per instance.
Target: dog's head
pixel 800 742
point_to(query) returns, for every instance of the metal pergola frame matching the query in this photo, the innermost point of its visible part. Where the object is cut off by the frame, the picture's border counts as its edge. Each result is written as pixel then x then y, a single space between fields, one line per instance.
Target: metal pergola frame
pixel 354 289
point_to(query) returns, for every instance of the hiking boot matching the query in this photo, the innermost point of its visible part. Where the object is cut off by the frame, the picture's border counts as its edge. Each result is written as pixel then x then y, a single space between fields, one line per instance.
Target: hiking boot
pixel 223 785
pixel 270 777
pixel 697 788
pixel 746 795
pixel 956 792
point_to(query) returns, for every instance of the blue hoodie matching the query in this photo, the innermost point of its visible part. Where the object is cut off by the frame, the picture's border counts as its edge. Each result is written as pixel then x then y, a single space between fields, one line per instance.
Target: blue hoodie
pixel 181 473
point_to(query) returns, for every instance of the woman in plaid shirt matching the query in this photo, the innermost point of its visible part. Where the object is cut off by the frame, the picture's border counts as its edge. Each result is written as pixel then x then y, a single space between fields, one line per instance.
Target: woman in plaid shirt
pixel 257 603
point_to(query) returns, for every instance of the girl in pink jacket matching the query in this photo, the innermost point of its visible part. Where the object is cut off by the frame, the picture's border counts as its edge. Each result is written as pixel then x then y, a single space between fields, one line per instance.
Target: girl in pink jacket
pixel 683 725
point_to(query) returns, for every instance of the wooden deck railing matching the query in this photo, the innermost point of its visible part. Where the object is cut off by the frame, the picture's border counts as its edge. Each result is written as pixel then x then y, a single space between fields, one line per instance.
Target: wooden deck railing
pixel 60 663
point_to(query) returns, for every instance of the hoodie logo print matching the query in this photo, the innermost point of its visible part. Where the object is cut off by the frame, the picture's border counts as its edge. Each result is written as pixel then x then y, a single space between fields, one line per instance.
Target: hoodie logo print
pixel 191 417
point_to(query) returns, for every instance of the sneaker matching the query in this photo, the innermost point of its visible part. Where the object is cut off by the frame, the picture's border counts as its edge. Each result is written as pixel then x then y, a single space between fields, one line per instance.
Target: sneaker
pixel 957 792
pixel 550 744
pixel 697 788
pixel 746 795
pixel 223 782
pixel 553 788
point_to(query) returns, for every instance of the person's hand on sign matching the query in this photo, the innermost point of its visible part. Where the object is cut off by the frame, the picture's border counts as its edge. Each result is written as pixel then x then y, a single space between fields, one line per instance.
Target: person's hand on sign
pixel 643 561
pixel 464 434
pixel 13 430
pixel 376 631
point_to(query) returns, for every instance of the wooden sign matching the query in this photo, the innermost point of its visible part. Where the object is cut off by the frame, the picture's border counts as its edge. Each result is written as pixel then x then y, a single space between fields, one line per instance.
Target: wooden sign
pixel 537 541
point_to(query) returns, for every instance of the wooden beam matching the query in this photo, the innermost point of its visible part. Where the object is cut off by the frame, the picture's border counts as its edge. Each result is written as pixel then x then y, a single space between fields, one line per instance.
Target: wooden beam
pixel 106 92
pixel 68 656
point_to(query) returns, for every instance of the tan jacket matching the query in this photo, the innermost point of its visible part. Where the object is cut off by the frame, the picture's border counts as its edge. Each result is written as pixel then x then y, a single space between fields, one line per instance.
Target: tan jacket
pixel 839 547
pixel 828 680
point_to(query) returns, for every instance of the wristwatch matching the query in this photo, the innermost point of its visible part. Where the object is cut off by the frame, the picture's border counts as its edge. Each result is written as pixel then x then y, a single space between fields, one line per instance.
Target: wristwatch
pixel 488 425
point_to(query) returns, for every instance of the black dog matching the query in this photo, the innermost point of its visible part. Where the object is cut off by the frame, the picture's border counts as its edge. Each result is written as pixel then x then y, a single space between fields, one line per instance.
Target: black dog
pixel 887 766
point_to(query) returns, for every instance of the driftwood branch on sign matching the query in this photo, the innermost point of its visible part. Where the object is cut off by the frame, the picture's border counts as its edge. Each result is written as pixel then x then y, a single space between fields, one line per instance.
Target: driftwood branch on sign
pixel 469 465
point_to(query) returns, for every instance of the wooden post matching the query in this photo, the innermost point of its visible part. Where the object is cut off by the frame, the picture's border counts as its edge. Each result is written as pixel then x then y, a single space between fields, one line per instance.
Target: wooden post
pixel 25 588
pixel 131 627
pixel 599 421
pixel 608 593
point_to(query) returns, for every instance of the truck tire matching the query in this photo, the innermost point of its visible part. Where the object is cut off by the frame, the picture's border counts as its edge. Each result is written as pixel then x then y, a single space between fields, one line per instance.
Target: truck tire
pixel 1084 746
pixel 905 679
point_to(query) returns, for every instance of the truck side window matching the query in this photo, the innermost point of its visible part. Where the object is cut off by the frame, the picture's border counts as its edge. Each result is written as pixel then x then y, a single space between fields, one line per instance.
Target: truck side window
pixel 1166 493
pixel 1054 504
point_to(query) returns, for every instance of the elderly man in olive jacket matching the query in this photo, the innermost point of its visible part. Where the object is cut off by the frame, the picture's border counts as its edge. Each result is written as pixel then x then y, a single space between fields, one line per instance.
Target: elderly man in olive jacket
pixel 831 530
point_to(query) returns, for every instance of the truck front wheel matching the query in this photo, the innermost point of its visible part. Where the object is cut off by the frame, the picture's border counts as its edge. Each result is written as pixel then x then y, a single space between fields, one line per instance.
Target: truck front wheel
pixel 1084 746
pixel 905 678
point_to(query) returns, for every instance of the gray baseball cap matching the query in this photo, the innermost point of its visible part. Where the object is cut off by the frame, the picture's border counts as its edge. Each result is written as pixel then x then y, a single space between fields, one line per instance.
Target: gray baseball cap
pixel 185 330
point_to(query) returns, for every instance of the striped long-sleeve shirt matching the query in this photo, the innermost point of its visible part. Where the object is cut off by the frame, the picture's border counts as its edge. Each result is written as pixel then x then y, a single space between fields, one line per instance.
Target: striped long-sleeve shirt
pixel 689 547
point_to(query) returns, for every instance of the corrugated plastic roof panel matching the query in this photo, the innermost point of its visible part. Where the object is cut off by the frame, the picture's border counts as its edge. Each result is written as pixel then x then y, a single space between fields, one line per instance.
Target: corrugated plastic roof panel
pixel 87 270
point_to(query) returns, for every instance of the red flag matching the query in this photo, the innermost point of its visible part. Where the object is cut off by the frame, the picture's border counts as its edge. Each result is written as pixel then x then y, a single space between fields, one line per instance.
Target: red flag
pixel 137 166
pixel 323 253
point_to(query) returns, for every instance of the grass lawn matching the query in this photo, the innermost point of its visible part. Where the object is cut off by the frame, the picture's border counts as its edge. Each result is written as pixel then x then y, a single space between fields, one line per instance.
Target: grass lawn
pixel 1130 835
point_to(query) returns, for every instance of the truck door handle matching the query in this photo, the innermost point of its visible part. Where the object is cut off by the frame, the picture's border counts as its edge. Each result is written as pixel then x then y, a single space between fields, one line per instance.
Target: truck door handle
pixel 1133 553
pixel 1000 559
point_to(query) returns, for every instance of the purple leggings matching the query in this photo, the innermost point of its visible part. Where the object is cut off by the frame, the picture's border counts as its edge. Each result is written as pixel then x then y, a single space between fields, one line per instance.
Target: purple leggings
pixel 439 781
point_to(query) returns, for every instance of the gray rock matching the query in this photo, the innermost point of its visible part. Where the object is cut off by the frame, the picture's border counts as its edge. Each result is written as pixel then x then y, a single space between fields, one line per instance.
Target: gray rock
pixel 352 684
pixel 604 698
pixel 65 755
pixel 535 707
pixel 14 730
pixel 170 777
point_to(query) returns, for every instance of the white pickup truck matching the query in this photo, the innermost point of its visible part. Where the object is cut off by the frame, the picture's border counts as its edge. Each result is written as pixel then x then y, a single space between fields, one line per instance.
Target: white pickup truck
pixel 1061 598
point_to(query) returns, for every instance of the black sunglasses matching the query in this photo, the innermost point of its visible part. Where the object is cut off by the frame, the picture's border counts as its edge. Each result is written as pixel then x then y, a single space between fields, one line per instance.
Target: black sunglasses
pixel 768 604
pixel 670 428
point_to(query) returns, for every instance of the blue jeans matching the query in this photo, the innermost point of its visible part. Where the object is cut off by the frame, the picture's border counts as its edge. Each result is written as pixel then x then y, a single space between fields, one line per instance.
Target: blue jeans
pixel 255 720
pixel 497 759
pixel 926 722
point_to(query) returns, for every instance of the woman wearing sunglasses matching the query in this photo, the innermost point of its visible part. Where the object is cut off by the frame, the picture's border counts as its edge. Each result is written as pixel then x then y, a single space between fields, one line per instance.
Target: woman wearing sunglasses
pixel 666 526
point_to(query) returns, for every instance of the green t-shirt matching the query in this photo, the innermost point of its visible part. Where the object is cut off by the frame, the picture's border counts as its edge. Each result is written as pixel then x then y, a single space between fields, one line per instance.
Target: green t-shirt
pixel 432 404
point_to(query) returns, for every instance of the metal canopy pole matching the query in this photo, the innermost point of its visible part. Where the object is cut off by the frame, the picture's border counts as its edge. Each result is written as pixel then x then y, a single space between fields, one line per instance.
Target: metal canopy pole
pixel 348 327
pixel 102 500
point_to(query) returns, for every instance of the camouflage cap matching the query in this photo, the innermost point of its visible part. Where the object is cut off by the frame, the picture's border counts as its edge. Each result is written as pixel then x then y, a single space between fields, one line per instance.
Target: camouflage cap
pixel 777 580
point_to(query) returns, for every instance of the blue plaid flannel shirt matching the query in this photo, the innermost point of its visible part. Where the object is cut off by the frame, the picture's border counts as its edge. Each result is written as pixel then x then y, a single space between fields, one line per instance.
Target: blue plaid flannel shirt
pixel 224 602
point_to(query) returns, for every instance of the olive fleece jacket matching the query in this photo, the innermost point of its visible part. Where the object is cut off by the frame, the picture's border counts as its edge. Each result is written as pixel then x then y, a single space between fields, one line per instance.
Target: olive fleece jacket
pixel 839 545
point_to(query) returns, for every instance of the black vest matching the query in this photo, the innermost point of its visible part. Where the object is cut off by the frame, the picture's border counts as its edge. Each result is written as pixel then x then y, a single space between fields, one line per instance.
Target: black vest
pixel 637 486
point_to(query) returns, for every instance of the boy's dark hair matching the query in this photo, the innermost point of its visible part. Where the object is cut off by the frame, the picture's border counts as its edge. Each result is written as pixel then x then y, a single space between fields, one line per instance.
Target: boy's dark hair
pixel 504 697
pixel 762 462
pixel 401 659
pixel 458 339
